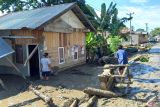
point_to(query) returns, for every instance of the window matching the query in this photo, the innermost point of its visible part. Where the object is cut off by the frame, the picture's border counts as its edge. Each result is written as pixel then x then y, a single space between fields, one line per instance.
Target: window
pixel 19 54
pixel 61 55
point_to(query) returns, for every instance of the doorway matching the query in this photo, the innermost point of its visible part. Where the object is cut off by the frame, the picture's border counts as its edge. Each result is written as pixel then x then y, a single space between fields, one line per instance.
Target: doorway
pixel 34 63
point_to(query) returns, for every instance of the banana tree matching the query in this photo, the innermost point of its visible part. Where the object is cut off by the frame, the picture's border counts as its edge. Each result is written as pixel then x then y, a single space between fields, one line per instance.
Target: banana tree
pixel 108 20
pixel 93 44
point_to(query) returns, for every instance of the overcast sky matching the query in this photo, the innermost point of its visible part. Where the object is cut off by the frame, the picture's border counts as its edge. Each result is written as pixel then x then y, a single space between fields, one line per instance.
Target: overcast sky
pixel 145 11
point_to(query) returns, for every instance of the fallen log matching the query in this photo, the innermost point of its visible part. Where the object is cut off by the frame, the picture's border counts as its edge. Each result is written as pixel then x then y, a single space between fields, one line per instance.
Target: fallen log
pixel 90 102
pixel 74 103
pixel 45 98
pixel 83 99
pixel 99 92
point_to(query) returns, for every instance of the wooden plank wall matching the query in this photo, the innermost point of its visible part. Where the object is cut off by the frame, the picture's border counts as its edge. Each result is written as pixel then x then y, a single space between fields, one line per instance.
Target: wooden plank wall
pixel 67 40
pixel 53 40
pixel 52 43
pixel 36 33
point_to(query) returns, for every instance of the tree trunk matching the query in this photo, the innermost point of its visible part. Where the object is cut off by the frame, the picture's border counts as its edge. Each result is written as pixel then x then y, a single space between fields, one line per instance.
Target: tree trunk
pixel 99 92
pixel 45 98
pixel 90 102
pixel 74 103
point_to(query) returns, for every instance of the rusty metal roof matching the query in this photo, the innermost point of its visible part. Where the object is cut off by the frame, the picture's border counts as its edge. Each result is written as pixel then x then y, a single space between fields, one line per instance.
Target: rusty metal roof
pixel 37 18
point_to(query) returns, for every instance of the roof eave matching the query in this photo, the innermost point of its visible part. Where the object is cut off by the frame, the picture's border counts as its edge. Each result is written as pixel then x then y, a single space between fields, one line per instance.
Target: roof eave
pixel 74 6
pixel 55 17
pixel 85 18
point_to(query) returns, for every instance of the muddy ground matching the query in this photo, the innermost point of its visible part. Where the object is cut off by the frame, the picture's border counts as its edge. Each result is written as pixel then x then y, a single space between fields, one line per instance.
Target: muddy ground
pixel 70 83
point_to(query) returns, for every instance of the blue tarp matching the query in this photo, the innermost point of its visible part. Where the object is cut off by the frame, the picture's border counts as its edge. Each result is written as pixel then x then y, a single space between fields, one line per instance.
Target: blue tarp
pixel 5 49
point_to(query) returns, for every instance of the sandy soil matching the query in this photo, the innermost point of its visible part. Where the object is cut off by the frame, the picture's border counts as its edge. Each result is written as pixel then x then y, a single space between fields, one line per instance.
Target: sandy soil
pixel 69 84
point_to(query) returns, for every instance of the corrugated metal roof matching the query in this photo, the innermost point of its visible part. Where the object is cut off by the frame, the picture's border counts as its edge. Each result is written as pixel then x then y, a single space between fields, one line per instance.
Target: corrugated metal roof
pixel 17 37
pixel 36 18
pixel 32 18
pixel 5 49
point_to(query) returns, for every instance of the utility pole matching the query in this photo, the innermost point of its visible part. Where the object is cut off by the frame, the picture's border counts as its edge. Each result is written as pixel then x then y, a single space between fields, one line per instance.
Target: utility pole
pixel 130 16
pixel 147 27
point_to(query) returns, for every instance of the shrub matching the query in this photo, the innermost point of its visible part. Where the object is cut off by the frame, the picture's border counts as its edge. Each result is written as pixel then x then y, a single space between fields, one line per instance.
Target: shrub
pixel 114 42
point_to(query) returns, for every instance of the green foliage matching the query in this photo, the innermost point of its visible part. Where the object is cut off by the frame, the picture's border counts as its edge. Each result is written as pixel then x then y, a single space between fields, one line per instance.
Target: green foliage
pixel 93 42
pixel 11 5
pixel 19 5
pixel 155 32
pixel 108 20
pixel 114 42
pixel 143 59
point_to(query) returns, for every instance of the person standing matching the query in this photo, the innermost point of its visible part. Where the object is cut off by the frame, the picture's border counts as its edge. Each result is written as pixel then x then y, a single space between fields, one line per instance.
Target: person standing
pixel 46 66
pixel 122 56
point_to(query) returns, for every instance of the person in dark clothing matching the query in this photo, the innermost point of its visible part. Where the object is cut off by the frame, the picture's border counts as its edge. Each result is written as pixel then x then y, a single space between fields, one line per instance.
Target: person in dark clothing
pixel 99 52
pixel 122 56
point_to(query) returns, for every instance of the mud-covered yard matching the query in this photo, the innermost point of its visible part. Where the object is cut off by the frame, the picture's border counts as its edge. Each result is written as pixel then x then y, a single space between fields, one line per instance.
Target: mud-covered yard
pixel 70 83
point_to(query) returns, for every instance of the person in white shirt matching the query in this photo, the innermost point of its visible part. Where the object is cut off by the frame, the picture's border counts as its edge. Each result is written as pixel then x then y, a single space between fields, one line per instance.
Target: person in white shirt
pixel 46 66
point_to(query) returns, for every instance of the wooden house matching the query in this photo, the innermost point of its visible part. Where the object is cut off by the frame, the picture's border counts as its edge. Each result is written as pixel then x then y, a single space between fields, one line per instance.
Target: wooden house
pixel 59 30
pixel 139 38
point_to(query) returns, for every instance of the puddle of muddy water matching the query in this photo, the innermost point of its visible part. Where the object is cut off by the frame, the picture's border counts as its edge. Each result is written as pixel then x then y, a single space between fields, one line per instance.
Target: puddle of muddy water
pixel 140 69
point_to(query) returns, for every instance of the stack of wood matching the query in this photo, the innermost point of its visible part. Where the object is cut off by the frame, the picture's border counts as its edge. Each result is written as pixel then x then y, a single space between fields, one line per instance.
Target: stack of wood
pixel 107 78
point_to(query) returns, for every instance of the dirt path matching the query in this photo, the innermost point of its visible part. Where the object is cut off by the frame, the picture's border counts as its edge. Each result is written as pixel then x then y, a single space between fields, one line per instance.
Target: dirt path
pixel 69 84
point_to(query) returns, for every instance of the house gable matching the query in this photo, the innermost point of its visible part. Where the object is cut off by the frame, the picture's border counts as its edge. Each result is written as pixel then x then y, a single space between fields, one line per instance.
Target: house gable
pixel 71 19
pixel 66 23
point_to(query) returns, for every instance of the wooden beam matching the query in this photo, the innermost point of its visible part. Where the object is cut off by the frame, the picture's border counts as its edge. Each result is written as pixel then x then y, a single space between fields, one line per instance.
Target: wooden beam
pixel 16 68
pixel 2 84
pixel 30 56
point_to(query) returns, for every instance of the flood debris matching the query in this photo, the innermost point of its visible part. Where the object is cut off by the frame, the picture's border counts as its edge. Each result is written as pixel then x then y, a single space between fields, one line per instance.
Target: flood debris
pixel 102 93
pixel 74 103
pixel 90 102
pixel 45 98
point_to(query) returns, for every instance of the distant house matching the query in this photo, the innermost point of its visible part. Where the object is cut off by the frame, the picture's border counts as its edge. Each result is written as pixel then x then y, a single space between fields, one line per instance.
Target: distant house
pixel 59 30
pixel 139 37
pixel 136 37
